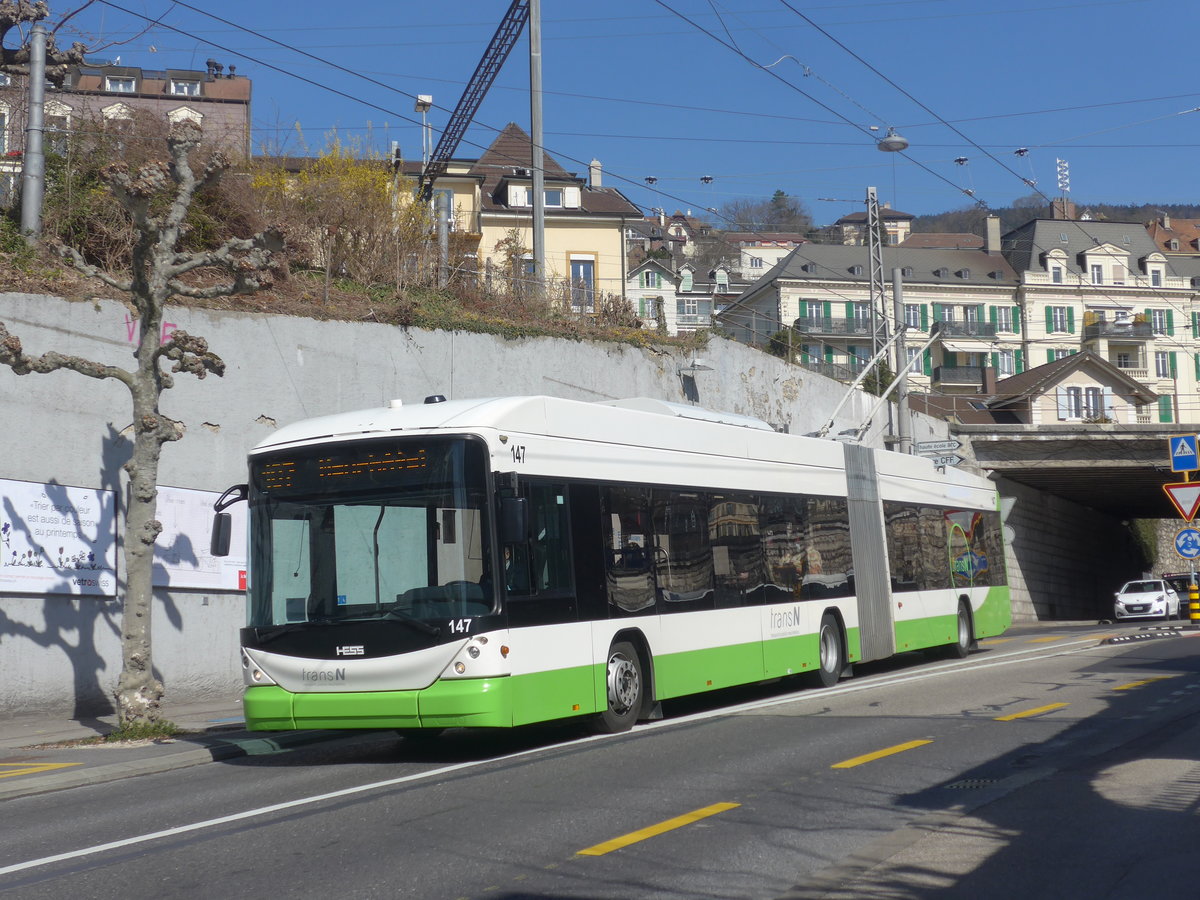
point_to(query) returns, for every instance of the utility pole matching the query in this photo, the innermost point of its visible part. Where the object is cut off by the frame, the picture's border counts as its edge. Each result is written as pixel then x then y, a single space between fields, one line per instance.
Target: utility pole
pixel 903 421
pixel 535 123
pixel 33 176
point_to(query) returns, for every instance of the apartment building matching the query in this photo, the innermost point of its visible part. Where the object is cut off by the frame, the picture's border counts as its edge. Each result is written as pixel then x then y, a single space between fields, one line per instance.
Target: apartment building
pixel 491 199
pixel 1045 291
pixel 112 96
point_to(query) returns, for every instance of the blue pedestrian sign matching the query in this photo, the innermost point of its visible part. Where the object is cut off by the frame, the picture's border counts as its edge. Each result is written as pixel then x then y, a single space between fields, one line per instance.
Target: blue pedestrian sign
pixel 1184 456
pixel 1187 543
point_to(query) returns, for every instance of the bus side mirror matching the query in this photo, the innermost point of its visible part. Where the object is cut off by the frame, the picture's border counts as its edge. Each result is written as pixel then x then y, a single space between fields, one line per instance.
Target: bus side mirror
pixel 222 529
pixel 514 520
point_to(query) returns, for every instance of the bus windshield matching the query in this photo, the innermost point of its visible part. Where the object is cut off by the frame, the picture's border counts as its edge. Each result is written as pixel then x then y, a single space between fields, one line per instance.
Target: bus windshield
pixel 393 529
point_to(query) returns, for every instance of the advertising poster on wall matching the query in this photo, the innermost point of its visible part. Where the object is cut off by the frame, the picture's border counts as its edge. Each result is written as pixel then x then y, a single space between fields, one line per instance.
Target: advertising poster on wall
pixel 56 539
pixel 181 557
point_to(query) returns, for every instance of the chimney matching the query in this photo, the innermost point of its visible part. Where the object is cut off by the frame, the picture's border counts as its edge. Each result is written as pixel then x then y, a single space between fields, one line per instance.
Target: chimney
pixel 991 242
pixel 594 172
pixel 1166 221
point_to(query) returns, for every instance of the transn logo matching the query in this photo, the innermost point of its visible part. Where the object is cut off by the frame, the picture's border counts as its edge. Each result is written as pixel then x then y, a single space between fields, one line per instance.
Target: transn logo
pixel 350 650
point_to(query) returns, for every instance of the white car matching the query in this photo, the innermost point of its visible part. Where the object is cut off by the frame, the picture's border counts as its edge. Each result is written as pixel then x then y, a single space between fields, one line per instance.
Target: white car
pixel 1150 598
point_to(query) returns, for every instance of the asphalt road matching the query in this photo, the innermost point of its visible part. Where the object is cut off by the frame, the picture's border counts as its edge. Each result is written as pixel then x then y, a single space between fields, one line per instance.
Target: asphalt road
pixel 1047 764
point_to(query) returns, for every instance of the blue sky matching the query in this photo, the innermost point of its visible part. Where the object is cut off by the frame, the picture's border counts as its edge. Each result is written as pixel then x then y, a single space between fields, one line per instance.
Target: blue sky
pixel 758 94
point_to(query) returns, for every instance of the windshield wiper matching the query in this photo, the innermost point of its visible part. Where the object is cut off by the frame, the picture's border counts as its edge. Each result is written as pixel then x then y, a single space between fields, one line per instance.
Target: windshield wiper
pixel 281 630
pixel 416 623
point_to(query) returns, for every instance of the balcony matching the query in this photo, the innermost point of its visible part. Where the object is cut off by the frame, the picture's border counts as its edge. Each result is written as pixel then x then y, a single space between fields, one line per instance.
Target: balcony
pixel 831 327
pixel 984 331
pixel 1128 330
pixel 958 376
pixel 844 372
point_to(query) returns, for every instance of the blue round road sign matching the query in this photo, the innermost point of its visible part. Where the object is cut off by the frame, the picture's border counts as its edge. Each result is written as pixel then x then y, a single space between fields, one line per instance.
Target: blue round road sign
pixel 1187 543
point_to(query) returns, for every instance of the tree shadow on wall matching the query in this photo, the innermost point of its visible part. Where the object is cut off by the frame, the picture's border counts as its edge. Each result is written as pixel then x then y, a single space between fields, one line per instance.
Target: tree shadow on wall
pixel 73 621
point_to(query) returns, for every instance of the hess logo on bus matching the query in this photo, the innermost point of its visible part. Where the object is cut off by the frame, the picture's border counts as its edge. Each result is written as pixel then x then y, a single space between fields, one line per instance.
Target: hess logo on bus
pixel 350 650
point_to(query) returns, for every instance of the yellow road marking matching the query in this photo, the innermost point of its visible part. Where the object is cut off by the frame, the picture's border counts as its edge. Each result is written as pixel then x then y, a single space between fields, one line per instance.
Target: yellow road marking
pixel 662 827
pixel 1047 640
pixel 1144 681
pixel 878 754
pixel 991 641
pixel 1031 712
pixel 32 768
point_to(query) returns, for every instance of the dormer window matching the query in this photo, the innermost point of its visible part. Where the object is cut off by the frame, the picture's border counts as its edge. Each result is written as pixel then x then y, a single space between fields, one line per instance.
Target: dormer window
pixel 685 280
pixel 120 84
pixel 722 281
pixel 554 197
pixel 964 273
pixel 1173 244
pixel 941 273
pixel 856 270
pixel 907 272
pixel 185 88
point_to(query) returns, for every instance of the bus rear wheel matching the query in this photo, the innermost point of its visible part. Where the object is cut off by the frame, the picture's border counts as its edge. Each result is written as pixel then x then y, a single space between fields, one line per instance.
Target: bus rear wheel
pixel 624 687
pixel 832 657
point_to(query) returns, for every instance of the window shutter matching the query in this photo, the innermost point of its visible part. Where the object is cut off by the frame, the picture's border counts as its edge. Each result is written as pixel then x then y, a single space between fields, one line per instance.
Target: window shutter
pixel 996 362
pixel 1070 320
pixel 924 316
pixel 1017 319
pixel 850 311
pixel 828 309
pixel 1108 404
pixel 1196 325
pixel 828 354
pixel 571 197
pixel 1170 323
pixel 949 360
pixel 937 312
pixel 1164 408
pixel 1174 371
pixel 1196 360
pixel 992 316
pixel 1062 403
pixel 927 362
pixel 1050 356
pixel 1049 319
pixel 1019 360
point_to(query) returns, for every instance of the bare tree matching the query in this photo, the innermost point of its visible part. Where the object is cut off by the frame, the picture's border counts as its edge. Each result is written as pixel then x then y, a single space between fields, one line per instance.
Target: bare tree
pixel 156 198
pixel 16 14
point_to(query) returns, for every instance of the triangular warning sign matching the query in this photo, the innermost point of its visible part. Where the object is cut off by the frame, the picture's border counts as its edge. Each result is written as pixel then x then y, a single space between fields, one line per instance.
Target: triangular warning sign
pixel 1185 497
pixel 1184 449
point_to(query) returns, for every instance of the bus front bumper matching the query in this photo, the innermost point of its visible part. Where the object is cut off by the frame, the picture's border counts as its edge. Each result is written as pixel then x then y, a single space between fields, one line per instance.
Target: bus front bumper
pixel 460 703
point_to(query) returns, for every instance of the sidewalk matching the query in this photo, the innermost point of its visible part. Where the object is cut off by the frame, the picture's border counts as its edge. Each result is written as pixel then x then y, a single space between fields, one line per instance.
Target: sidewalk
pixel 40 753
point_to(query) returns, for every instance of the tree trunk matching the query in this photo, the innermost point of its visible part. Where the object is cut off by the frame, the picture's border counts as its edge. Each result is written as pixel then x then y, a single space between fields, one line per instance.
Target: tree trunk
pixel 139 693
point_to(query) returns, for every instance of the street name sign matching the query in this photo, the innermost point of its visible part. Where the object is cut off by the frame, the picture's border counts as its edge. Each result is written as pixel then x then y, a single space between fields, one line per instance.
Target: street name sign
pixel 1185 497
pixel 936 448
pixel 1183 453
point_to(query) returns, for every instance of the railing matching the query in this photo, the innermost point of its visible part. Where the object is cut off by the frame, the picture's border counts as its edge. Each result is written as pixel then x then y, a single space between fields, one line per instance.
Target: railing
pixel 693 320
pixel 972 375
pixel 1136 374
pixel 828 325
pixel 1133 330
pixel 982 330
pixel 836 371
pixel 1073 279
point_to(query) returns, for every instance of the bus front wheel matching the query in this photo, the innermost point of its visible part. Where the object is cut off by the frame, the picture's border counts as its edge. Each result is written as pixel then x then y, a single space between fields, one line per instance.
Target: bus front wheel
pixel 832 658
pixel 625 688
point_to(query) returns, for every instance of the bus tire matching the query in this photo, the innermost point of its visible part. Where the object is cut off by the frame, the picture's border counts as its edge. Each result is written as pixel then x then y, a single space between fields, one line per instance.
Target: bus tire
pixel 625 688
pixel 831 656
pixel 963 638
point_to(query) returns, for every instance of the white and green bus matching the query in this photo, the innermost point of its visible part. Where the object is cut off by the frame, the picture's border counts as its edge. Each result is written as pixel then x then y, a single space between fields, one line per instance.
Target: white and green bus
pixel 497 562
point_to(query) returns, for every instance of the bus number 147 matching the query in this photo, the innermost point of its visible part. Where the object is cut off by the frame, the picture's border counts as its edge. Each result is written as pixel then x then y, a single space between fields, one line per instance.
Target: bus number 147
pixel 460 626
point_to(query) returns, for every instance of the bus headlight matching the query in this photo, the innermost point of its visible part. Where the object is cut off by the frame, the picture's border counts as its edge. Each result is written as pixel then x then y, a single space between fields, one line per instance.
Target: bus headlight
pixel 473 652
pixel 460 667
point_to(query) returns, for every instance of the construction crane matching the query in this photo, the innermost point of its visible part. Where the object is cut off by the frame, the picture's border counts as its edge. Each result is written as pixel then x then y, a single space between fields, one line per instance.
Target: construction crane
pixel 485 73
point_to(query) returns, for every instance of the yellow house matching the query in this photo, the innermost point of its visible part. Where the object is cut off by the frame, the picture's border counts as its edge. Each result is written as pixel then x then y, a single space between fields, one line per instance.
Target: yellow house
pixel 585 222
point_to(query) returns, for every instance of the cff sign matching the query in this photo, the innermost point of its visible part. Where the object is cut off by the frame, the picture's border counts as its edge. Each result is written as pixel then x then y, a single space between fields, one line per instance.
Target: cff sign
pixel 952 459
pixel 1183 453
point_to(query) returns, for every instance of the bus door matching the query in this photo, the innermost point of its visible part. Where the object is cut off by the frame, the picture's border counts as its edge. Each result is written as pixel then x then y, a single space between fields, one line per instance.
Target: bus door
pixel 551 662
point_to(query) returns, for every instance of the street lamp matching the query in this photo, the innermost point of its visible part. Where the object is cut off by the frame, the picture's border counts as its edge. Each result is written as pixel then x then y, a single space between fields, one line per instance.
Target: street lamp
pixel 423 105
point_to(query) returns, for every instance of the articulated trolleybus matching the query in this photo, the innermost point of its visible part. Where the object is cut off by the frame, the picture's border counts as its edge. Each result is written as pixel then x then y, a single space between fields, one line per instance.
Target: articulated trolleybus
pixel 505 561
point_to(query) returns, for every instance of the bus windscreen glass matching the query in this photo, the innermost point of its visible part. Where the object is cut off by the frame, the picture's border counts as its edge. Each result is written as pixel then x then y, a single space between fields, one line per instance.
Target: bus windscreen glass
pixel 370 530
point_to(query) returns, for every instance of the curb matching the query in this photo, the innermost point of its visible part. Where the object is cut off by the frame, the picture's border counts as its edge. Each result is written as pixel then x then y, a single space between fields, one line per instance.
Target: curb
pixel 221 750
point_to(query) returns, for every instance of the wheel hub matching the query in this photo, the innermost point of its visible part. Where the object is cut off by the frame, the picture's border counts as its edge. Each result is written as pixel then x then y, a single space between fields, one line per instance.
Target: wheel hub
pixel 623 684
